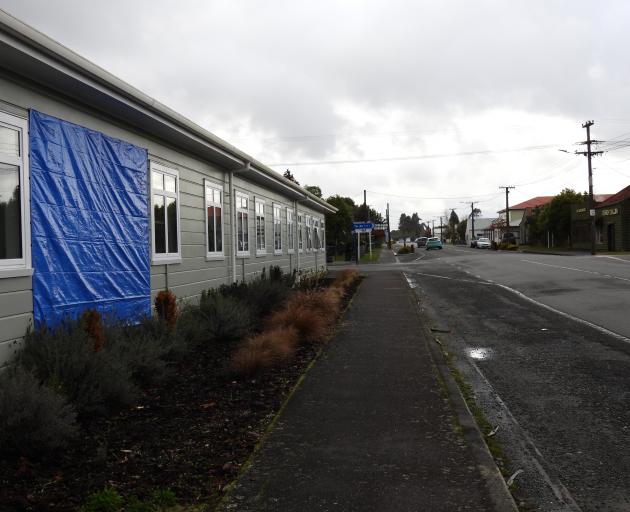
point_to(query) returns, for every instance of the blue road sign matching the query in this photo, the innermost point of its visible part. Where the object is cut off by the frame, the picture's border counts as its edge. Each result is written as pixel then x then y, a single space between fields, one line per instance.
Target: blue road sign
pixel 363 226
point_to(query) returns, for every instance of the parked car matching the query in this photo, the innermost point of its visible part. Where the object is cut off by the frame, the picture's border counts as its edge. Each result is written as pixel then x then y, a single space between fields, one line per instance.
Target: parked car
pixel 483 243
pixel 422 241
pixel 434 243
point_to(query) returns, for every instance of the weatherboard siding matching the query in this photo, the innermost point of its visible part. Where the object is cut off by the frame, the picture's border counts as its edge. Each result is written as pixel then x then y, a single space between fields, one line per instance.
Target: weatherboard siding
pixel 195 272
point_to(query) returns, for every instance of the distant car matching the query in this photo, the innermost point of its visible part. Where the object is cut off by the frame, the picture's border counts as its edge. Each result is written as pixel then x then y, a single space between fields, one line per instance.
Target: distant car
pixel 483 243
pixel 422 241
pixel 434 243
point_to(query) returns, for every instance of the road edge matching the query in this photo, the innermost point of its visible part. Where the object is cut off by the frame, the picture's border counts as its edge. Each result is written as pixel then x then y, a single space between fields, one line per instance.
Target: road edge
pixel 498 491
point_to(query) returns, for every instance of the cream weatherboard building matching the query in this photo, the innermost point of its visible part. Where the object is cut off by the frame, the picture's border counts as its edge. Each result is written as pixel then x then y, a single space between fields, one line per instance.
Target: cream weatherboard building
pixel 107 196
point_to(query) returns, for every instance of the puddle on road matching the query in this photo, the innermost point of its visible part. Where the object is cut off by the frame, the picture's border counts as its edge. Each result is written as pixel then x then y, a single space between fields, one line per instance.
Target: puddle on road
pixel 480 353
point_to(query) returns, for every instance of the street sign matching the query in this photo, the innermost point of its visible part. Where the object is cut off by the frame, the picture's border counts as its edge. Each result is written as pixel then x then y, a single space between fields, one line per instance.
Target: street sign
pixel 362 227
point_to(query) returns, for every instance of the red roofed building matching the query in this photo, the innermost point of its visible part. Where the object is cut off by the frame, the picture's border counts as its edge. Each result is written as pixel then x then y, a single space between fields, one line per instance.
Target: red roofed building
pixel 519 213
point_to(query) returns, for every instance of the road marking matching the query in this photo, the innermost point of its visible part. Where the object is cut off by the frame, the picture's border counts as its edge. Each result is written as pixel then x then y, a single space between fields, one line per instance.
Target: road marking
pixel 613 258
pixel 577 270
pixel 560 491
pixel 599 328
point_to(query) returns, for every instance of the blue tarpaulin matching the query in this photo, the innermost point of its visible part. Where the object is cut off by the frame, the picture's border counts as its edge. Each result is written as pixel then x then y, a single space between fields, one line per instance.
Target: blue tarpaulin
pixel 90 222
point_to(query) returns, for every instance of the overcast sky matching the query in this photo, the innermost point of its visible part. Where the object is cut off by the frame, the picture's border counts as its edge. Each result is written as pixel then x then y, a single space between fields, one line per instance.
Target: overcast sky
pixel 426 104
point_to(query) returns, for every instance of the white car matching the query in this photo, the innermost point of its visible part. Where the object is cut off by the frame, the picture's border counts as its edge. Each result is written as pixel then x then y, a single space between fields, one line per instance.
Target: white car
pixel 484 243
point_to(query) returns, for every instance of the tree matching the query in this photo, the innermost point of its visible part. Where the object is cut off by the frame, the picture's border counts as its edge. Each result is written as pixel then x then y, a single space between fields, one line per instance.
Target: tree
pixel 476 212
pixel 461 229
pixel 555 217
pixel 288 175
pixel 339 224
pixel 314 189
pixel 451 229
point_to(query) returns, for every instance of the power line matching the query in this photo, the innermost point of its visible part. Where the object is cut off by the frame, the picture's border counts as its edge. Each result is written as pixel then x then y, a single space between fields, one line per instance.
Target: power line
pixel 416 157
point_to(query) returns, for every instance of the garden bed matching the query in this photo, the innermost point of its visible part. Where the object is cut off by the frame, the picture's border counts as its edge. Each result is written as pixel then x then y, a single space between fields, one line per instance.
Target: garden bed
pixel 189 433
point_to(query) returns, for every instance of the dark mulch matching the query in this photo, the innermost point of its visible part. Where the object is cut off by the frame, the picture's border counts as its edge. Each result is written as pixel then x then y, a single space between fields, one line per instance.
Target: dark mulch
pixel 191 433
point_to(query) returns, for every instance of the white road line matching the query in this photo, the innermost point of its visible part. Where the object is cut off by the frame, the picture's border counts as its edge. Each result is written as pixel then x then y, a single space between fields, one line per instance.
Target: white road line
pixel 612 258
pixel 560 491
pixel 578 270
pixel 599 328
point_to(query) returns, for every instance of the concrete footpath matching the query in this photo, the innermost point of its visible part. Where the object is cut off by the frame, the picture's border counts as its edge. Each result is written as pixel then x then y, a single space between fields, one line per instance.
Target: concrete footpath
pixel 373 426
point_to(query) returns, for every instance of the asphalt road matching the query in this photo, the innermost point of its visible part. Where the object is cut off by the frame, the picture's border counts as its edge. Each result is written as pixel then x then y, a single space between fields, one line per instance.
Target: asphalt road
pixel 556 382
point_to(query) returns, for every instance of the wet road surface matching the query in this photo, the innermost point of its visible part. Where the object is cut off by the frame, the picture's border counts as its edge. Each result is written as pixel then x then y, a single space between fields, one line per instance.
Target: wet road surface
pixel 558 389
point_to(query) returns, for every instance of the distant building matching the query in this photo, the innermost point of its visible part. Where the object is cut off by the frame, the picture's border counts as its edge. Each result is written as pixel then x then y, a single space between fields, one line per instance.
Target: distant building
pixel 612 222
pixel 483 228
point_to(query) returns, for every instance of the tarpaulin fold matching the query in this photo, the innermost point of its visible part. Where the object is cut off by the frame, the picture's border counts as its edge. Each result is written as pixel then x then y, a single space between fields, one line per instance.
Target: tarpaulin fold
pixel 90 222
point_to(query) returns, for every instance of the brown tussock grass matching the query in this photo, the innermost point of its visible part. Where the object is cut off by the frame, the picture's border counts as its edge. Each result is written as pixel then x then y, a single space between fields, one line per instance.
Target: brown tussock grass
pixel 310 324
pixel 345 279
pixel 265 350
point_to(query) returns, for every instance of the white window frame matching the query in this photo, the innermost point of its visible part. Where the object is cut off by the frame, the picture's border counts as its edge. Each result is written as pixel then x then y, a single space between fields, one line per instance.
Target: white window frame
pixel 300 237
pixel 309 234
pixel 261 249
pixel 290 231
pixel 167 257
pixel 277 227
pixel 214 187
pixel 19 267
pixel 239 196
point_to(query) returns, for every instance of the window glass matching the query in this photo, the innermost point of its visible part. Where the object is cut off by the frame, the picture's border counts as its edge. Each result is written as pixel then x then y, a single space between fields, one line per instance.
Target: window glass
pixel 159 227
pixel 169 183
pixel 10 212
pixel 212 246
pixel 219 228
pixel 9 142
pixel 157 180
pixel 171 212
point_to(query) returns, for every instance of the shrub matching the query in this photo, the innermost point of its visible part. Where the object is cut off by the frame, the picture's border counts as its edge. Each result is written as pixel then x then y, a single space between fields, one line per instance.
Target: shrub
pixel 310 280
pixel 265 350
pixel 33 418
pixel 405 249
pixel 163 498
pixel 310 324
pixel 145 348
pixel 166 307
pixel 92 324
pixel 345 279
pixel 325 301
pixel 225 317
pixel 262 295
pixel 107 500
pixel 64 360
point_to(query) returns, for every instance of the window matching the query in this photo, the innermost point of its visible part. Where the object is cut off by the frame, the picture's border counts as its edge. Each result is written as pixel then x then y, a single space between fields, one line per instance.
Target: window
pixel 322 235
pixel 14 197
pixel 165 200
pixel 260 227
pixel 214 221
pixel 277 229
pixel 242 225
pixel 315 234
pixel 300 220
pixel 309 240
pixel 290 231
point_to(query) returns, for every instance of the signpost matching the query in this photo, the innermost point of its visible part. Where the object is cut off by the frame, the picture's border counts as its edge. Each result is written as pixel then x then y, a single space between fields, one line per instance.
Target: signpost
pixel 358 228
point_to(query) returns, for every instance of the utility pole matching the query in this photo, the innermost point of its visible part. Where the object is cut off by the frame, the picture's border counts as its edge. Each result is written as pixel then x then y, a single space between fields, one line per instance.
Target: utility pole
pixel 588 153
pixel 432 227
pixel 367 213
pixel 472 219
pixel 389 233
pixel 440 228
pixel 507 207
